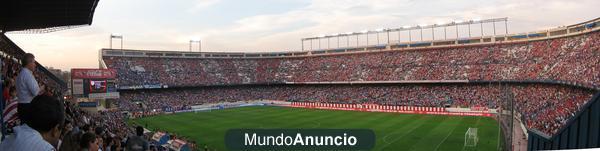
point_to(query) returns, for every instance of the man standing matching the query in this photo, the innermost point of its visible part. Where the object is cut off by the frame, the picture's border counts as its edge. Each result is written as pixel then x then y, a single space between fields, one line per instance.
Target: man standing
pixel 27 86
pixel 42 132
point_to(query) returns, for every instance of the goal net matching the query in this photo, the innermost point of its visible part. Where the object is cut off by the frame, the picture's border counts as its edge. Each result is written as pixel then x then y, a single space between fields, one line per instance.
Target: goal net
pixel 471 138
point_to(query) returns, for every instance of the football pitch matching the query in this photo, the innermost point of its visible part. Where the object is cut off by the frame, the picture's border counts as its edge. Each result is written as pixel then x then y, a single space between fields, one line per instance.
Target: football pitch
pixel 393 131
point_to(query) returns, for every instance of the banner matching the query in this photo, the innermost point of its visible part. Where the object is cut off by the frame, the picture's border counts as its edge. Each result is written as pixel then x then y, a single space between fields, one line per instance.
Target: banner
pixel 131 87
pixel 93 74
pixel 152 86
pixel 108 95
pixel 392 109
pixel 88 104
pixel 77 86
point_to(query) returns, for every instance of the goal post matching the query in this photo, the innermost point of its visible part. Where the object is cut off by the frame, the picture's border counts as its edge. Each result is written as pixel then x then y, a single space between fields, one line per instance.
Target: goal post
pixel 198 110
pixel 202 110
pixel 471 137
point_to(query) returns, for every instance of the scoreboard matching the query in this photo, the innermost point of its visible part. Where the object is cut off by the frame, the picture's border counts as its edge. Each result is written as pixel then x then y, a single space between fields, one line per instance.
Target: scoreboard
pixel 94 83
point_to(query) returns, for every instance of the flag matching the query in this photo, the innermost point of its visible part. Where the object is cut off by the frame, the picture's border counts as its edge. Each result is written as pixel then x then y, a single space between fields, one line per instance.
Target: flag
pixel 10 112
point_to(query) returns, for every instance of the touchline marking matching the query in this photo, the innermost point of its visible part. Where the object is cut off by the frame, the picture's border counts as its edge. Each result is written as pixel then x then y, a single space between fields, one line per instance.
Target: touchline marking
pixel 444 140
pixel 317 124
pixel 390 134
pixel 388 143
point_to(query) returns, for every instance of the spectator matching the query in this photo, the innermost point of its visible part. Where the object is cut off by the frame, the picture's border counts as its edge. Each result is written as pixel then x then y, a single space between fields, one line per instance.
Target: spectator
pixel 89 142
pixel 70 138
pixel 27 85
pixel 42 131
pixel 138 142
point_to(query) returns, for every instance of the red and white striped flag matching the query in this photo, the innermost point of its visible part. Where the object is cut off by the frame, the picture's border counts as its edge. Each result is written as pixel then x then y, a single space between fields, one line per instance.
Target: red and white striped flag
pixel 10 111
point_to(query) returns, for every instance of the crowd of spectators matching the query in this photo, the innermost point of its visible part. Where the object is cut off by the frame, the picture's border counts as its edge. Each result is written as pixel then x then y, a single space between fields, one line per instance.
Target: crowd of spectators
pixel 110 129
pixel 573 59
pixel 72 129
pixel 52 123
pixel 545 107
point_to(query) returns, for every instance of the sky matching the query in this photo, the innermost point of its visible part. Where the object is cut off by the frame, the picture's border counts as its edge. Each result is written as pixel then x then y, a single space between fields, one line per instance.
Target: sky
pixel 278 25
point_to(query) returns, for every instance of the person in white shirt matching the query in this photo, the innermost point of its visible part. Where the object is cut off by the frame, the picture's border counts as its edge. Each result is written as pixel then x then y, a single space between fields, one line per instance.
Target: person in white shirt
pixel 42 131
pixel 27 86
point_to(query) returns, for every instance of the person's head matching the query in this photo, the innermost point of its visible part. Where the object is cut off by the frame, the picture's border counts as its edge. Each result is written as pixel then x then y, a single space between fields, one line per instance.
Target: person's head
pixel 90 129
pixel 86 128
pixel 28 61
pixel 89 141
pixel 99 131
pixel 139 130
pixel 46 115
pixel 68 126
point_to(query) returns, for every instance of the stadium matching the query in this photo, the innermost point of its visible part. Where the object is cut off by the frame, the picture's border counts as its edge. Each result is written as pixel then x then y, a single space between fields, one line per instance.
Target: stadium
pixel 536 90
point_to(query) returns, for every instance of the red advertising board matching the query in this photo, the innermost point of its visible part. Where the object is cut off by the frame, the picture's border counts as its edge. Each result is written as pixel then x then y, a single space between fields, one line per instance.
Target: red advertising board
pixel 93 73
pixel 383 108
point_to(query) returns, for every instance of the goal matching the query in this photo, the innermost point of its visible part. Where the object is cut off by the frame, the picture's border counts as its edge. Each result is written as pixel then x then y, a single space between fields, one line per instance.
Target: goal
pixel 471 137
pixel 197 110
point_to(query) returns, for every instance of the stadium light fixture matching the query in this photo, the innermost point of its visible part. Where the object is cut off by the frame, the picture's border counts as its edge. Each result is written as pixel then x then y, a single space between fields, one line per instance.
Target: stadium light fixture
pixel 115 36
pixel 420 27
pixel 196 40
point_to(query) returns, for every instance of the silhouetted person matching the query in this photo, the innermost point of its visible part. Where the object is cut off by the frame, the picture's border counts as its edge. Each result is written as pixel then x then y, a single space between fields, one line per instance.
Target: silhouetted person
pixel 137 143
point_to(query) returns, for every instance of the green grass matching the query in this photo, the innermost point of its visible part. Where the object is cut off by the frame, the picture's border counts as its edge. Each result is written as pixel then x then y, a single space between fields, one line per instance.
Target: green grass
pixel 393 131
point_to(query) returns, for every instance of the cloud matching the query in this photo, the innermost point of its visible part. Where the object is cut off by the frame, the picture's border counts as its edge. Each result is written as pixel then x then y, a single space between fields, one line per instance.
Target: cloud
pixel 201 4
pixel 283 30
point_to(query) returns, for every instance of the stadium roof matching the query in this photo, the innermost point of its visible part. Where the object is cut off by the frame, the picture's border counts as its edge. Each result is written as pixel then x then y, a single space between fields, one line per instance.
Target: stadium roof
pixel 42 16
